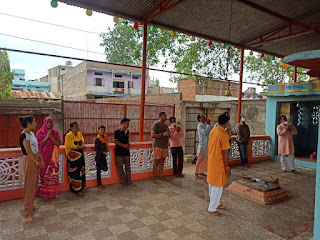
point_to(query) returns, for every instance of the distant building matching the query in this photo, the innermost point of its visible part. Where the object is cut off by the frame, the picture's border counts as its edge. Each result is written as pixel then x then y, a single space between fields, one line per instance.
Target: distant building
pixel 213 90
pixel 251 93
pixel 32 86
pixel 19 74
pixel 92 80
pixel 55 76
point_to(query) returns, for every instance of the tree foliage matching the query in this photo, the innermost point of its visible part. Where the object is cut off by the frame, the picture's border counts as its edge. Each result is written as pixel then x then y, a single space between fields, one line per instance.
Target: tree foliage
pixel 6 76
pixel 123 44
pixel 268 71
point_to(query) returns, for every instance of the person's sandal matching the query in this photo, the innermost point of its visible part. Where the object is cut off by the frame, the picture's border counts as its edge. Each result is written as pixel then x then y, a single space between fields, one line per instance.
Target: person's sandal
pixel 79 194
pixel 29 219
pixel 35 207
pixel 216 213
pixel 197 176
pixel 294 171
pixel 284 171
pixel 223 207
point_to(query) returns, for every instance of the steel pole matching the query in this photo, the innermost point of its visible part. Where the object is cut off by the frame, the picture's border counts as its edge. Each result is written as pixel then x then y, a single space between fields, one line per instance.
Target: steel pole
pixel 143 81
pixel 240 86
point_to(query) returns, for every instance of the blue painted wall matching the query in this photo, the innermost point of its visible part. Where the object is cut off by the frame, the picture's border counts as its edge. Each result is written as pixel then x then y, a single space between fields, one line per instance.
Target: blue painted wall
pixel 272 119
pixel 30 86
pixel 316 227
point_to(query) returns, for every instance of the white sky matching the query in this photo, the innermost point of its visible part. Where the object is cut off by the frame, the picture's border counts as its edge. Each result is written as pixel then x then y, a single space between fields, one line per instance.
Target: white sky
pixel 69 16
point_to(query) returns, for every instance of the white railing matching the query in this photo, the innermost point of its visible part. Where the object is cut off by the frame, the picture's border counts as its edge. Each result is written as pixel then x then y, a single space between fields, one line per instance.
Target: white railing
pixel 141 159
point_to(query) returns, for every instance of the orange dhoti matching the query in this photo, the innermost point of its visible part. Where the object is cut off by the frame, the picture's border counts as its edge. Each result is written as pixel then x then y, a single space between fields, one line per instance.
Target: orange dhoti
pixel 31 174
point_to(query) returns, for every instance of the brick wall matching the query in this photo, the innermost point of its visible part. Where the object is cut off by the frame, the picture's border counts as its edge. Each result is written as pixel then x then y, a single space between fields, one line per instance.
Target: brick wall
pixel 75 83
pixel 189 88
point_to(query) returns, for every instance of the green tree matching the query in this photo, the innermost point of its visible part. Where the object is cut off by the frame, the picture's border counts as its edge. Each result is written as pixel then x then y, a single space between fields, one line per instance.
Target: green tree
pixel 6 76
pixel 123 44
pixel 268 71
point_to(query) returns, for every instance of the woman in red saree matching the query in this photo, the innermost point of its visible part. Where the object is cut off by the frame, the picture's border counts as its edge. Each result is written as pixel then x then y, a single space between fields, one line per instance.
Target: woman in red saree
pixel 49 141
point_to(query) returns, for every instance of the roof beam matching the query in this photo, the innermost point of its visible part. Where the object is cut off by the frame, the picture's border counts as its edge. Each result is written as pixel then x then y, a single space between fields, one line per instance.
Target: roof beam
pixel 290 35
pixel 283 27
pixel 162 9
pixel 161 5
pixel 267 11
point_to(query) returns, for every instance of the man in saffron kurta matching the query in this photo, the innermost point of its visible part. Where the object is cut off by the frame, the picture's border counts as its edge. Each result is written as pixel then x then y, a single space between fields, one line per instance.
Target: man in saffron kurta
pixel 218 164
pixel 285 132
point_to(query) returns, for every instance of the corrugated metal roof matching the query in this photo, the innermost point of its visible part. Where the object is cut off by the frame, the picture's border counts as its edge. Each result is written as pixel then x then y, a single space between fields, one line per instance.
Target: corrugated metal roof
pixel 212 19
pixel 39 95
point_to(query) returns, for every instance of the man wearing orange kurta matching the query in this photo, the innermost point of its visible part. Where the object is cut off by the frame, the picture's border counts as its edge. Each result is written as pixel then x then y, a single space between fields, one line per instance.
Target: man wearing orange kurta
pixel 218 164
pixel 285 132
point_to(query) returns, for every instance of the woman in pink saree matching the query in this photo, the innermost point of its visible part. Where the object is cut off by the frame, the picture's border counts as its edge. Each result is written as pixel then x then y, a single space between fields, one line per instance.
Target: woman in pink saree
pixel 49 141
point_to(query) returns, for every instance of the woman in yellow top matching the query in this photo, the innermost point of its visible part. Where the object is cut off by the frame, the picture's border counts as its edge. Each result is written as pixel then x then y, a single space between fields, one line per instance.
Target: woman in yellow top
pixel 74 145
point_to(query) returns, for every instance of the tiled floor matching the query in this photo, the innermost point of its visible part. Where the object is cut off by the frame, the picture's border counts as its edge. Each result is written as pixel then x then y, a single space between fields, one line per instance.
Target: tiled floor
pixel 172 209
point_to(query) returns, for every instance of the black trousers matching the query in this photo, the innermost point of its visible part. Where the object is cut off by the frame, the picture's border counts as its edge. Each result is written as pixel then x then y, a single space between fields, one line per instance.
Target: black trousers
pixel 101 164
pixel 177 152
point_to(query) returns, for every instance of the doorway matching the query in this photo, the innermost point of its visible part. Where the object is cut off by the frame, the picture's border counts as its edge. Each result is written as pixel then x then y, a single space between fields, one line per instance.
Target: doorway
pixel 305 117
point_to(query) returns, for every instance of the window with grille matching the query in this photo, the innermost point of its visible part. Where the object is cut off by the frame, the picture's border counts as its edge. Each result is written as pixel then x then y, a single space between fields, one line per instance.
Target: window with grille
pixel 98 81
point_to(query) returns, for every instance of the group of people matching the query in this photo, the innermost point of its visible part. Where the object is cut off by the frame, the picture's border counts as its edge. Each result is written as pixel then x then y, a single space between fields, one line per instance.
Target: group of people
pixel 40 154
pixel 204 128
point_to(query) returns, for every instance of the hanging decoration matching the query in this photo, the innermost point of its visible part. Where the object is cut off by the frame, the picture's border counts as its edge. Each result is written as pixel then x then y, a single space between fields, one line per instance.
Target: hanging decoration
pixel 154 29
pixel 224 46
pixel 281 60
pixel 136 25
pixel 210 43
pixel 89 12
pixel 54 3
pixel 228 51
pixel 116 19
pixel 193 38
pixel 273 58
pixel 173 34
pixel 251 53
pixel 285 65
pixel 262 55
pixel 239 50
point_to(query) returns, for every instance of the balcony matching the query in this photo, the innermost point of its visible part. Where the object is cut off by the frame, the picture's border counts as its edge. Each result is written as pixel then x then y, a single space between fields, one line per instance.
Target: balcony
pixel 118 90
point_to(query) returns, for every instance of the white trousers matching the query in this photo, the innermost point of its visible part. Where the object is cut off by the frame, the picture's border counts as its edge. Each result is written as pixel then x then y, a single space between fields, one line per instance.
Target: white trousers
pixel 215 196
pixel 290 161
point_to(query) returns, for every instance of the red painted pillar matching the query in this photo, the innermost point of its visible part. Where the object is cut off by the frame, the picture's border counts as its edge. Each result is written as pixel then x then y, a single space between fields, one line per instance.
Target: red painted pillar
pixel 143 81
pixel 240 86
pixel 295 74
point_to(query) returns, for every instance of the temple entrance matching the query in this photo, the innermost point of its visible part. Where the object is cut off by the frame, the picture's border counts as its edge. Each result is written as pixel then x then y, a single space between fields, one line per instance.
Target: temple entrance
pixel 305 116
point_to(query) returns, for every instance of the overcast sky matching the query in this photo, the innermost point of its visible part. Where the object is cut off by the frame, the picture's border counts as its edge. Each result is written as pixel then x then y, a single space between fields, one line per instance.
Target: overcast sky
pixel 65 15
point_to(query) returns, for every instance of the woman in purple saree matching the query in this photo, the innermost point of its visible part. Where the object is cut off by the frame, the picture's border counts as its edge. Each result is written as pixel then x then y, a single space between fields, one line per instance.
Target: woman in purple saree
pixel 49 141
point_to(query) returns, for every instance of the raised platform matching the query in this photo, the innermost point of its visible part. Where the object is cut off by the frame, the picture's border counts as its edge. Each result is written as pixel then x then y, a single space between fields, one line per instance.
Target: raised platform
pixel 258 191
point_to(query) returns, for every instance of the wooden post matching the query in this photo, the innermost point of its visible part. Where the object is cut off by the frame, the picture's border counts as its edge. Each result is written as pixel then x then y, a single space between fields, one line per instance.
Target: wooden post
pixel 143 81
pixel 240 86
pixel 295 74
